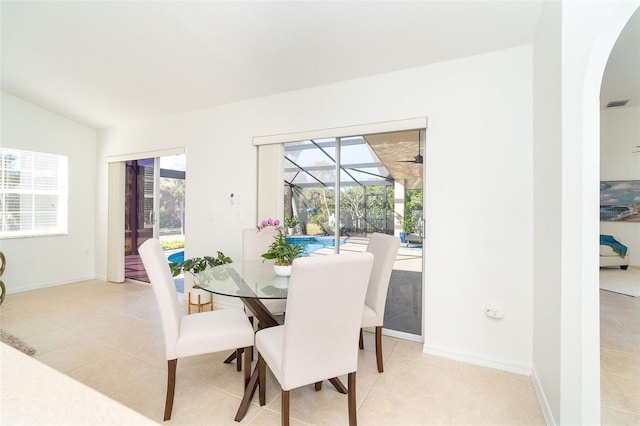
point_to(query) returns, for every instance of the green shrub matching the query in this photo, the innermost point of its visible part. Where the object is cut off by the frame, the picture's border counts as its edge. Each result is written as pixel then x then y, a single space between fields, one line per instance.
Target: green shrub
pixel 172 244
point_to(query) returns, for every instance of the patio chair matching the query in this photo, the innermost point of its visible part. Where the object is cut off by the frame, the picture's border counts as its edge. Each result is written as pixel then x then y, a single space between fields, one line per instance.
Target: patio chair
pixel 413 239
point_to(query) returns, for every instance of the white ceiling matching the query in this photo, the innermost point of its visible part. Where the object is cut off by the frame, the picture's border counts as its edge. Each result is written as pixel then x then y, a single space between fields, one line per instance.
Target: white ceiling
pixel 104 63
pixel 621 80
pixel 108 63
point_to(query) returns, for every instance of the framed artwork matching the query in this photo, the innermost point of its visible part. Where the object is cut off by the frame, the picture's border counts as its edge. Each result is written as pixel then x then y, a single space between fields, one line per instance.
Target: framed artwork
pixel 620 200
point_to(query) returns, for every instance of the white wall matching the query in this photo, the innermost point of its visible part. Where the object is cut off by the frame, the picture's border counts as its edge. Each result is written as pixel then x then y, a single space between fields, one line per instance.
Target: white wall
pixel 547 209
pixel 478 194
pixel 566 312
pixel 619 135
pixel 45 261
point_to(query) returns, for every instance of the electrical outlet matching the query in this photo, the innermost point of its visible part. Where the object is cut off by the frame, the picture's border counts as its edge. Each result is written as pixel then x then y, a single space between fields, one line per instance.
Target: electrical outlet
pixel 235 198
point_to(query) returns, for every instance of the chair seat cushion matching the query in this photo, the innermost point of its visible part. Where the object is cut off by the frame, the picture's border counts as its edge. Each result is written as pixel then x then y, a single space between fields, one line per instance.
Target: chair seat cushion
pixel 213 331
pixel 370 318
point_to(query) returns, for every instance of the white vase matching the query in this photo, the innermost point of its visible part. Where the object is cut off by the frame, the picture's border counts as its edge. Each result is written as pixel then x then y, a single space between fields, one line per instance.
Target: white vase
pixel 292 231
pixel 282 270
pixel 281 282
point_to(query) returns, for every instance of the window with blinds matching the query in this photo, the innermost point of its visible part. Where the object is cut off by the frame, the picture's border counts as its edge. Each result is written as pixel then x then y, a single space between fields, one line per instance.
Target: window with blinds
pixel 33 193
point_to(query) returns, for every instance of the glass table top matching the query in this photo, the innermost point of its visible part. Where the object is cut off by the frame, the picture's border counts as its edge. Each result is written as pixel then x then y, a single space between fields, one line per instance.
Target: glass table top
pixel 251 279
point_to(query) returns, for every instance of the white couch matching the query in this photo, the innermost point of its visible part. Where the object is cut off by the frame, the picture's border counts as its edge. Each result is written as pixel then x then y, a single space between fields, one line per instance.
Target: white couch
pixel 608 257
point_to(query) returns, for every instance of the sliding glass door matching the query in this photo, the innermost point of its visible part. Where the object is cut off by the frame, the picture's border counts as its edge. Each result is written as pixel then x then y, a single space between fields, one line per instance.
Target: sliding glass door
pixel 154 208
pixel 371 198
pixel 310 185
pixel 141 212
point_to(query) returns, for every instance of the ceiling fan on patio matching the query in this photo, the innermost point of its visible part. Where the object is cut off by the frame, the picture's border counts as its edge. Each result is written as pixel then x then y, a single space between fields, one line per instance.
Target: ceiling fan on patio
pixel 418 158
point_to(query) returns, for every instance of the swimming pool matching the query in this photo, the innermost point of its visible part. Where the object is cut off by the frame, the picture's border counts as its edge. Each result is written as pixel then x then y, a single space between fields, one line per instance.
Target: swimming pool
pixel 176 257
pixel 312 244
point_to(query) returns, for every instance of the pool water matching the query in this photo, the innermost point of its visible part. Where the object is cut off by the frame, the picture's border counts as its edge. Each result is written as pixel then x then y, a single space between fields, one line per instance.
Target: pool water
pixel 312 244
pixel 176 257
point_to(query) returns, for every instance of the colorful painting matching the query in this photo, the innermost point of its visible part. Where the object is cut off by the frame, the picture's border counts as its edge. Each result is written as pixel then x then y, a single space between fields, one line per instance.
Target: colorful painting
pixel 620 201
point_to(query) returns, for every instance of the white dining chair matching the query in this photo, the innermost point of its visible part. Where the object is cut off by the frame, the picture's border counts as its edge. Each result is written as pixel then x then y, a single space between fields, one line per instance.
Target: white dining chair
pixel 254 244
pixel 384 249
pixel 196 334
pixel 313 344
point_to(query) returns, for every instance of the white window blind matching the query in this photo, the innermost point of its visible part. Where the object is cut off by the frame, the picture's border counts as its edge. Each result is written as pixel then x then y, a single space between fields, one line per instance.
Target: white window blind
pixel 33 193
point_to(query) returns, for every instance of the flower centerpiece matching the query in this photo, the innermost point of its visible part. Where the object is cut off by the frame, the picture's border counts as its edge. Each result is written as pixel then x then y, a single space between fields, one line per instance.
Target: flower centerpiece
pixel 282 251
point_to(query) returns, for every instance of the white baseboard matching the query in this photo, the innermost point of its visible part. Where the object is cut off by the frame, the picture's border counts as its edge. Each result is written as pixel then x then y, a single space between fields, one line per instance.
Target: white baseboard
pixel 47 284
pixel 510 366
pixel 542 399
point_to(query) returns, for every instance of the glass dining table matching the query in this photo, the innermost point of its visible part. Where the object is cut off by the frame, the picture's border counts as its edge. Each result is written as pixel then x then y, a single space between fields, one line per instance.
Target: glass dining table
pixel 249 281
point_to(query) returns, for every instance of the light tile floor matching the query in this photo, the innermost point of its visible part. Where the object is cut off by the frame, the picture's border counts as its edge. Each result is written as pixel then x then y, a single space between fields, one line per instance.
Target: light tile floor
pixel 108 337
pixel 619 358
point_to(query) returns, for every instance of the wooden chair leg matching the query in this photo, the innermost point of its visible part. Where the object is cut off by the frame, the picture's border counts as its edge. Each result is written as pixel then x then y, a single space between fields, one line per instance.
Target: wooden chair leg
pixel 318 386
pixel 171 387
pixel 239 359
pixel 285 408
pixel 361 340
pixel 262 377
pixel 351 384
pixel 248 354
pixel 379 349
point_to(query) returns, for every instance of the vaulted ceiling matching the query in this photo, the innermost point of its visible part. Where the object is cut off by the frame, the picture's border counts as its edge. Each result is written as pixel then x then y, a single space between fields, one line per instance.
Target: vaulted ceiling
pixel 104 63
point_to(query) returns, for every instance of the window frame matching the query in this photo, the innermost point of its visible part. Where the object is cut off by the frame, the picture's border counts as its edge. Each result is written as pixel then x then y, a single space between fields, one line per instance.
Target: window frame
pixel 55 168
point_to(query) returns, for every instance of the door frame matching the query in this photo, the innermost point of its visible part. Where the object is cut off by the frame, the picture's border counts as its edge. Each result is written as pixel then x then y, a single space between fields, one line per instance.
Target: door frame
pixel 115 208
pixel 270 201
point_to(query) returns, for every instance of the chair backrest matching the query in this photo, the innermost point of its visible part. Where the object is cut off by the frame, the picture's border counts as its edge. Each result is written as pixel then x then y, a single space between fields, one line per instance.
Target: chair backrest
pixel 157 267
pixel 324 311
pixel 384 249
pixel 255 243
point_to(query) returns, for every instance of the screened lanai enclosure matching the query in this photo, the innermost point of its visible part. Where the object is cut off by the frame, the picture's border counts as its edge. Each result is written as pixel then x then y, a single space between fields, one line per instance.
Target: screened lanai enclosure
pixel 372 199
pixel 379 181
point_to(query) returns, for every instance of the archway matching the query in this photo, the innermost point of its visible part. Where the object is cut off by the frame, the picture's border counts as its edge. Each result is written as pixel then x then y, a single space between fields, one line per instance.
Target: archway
pixel 610 29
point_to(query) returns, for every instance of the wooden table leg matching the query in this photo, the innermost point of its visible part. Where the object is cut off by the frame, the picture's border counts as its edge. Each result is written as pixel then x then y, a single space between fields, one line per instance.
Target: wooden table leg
pixel 249 391
pixel 230 358
pixel 338 385
pixel 266 320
